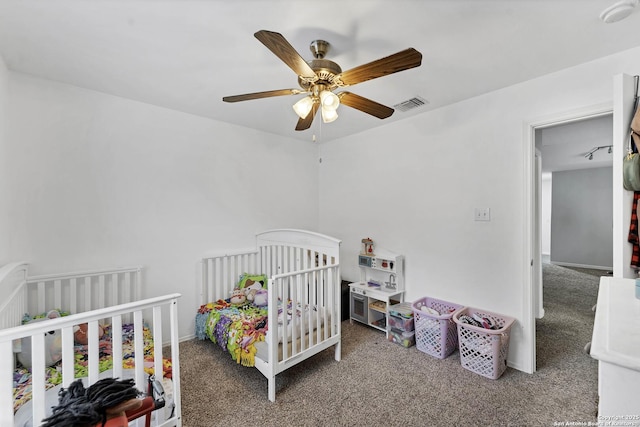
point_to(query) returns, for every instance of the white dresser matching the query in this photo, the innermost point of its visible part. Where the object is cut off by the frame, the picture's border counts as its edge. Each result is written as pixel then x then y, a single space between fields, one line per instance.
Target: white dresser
pixel 616 346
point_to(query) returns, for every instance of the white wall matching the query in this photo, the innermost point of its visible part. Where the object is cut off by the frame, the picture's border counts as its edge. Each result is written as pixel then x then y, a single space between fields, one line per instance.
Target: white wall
pixel 4 208
pixel 428 173
pixel 99 181
pixel 582 218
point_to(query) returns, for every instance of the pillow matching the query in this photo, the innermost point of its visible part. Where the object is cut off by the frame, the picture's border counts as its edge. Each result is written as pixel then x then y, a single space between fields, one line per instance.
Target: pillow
pixel 247 280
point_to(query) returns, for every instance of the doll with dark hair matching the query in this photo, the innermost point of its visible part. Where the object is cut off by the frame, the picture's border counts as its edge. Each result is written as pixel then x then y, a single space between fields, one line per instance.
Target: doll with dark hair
pixel 104 403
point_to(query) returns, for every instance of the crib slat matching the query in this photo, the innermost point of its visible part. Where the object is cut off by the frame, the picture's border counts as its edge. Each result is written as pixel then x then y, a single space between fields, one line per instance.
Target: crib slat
pixel 237 269
pixel 295 320
pixel 41 297
pixel 101 292
pixel 283 290
pixel 93 351
pixel 175 359
pixel 38 377
pixel 128 287
pixel 263 261
pixel 320 279
pixel 137 285
pixel 57 294
pixel 335 295
pixel 157 342
pixel 254 263
pixel 87 294
pixel 275 259
pixel 157 351
pixel 244 264
pixel 281 261
pixel 115 299
pixel 313 315
pixel 131 290
pixel 206 290
pixel 302 302
pixel 139 350
pixel 116 345
pixel 73 295
pixel 68 357
pixel 219 275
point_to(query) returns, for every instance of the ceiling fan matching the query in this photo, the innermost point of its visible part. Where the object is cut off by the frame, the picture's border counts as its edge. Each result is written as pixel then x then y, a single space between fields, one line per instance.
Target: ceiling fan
pixel 319 78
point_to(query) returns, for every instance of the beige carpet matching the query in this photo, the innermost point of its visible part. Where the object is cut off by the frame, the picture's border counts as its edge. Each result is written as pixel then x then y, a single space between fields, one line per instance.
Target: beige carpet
pixel 380 383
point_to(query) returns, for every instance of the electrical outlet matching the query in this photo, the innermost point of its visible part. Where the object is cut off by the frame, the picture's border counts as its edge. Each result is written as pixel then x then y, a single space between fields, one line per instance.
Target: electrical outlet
pixel 482 214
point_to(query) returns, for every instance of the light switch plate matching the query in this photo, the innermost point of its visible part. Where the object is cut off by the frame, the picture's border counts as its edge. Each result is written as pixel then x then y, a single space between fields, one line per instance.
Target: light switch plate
pixel 482 214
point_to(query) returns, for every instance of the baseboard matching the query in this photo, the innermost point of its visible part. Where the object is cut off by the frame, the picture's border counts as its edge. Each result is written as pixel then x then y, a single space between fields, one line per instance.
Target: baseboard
pixel 593 267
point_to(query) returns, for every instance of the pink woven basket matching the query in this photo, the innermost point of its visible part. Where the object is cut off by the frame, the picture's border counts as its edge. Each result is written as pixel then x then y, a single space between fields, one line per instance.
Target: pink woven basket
pixel 484 351
pixel 436 335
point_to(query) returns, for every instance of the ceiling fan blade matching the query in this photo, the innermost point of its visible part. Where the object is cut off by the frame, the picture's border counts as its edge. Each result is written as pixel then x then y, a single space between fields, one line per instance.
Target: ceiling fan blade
pixel 258 95
pixel 404 60
pixel 277 44
pixel 304 124
pixel 365 105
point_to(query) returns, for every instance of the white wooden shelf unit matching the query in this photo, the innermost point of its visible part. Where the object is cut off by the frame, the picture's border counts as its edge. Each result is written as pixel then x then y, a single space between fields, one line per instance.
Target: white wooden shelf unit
pixel 381 285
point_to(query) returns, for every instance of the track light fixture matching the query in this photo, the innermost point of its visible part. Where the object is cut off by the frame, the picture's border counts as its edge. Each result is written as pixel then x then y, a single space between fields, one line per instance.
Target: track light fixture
pixel 589 155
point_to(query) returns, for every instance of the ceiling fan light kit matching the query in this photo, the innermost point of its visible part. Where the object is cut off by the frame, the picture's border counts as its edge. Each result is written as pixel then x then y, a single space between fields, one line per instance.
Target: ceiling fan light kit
pixel 319 78
pixel 330 100
pixel 303 107
pixel 329 116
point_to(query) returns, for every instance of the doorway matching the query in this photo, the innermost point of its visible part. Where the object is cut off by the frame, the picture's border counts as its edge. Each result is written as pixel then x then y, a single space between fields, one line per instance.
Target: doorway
pixel 533 301
pixel 574 217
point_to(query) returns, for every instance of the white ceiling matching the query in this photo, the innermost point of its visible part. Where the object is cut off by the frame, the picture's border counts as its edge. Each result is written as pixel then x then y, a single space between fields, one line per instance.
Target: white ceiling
pixel 186 55
pixel 565 147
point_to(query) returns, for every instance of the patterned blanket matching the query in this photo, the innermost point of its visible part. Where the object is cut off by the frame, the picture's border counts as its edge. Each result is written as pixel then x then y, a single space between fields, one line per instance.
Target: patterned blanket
pixel 22 376
pixel 234 328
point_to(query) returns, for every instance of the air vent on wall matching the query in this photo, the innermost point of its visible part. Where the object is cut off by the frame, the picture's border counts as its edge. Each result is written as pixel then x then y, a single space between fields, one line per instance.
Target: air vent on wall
pixel 410 104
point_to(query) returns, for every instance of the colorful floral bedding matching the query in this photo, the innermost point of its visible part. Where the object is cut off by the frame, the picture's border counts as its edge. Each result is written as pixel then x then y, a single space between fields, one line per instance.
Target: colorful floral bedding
pixel 234 328
pixel 22 376
pixel 237 328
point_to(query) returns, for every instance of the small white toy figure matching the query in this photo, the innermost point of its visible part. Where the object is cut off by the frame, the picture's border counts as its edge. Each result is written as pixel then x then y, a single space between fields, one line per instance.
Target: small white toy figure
pixel 368 247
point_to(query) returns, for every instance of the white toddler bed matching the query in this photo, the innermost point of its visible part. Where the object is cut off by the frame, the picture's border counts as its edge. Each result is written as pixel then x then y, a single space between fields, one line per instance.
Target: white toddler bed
pixel 97 299
pixel 303 292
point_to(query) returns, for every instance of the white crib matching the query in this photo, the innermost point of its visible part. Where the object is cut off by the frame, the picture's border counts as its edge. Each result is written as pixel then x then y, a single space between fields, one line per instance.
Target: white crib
pixel 95 298
pixel 302 267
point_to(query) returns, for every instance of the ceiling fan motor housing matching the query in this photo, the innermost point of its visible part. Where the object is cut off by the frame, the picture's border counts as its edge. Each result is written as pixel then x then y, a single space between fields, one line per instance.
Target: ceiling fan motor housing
pixel 325 70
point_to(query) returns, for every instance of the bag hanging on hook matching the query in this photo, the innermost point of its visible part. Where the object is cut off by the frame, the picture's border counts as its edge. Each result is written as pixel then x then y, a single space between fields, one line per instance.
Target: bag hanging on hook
pixel 631 162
